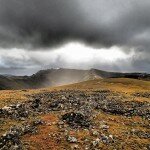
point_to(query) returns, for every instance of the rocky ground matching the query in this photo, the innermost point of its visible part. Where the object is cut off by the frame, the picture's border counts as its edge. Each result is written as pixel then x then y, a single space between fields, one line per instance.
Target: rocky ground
pixel 89 119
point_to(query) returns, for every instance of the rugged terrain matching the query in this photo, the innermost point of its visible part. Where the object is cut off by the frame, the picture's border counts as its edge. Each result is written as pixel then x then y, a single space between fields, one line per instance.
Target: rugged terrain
pixel 56 77
pixel 112 113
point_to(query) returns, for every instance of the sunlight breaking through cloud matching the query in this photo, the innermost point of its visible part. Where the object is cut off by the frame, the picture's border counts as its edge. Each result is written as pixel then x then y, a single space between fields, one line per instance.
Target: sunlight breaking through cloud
pixel 72 55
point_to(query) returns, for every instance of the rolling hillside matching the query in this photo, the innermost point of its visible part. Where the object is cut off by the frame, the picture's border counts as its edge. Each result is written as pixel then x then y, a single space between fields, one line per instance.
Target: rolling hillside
pixel 110 113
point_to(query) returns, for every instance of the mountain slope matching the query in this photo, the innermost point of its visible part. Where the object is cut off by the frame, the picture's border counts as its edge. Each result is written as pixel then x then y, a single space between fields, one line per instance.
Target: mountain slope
pixel 56 77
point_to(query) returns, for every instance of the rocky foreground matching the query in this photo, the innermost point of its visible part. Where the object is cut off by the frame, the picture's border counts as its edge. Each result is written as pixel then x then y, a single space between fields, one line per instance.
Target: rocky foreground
pixel 84 121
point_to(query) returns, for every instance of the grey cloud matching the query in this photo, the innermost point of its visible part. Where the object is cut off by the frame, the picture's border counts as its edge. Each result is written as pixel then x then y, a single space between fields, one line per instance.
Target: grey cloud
pixel 41 24
pixel 20 66
pixel 20 63
pixel 36 23
pixel 17 71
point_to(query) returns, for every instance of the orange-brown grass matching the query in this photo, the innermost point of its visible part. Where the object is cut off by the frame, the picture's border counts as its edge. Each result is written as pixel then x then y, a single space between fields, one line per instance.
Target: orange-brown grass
pixel 115 84
pixel 120 127
pixel 45 140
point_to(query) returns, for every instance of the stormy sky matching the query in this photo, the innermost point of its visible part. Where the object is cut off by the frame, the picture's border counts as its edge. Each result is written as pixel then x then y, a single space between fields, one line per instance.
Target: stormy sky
pixel 111 35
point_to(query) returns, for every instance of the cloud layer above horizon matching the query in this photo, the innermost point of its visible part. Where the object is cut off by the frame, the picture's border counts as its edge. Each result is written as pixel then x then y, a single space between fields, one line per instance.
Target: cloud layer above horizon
pixel 35 25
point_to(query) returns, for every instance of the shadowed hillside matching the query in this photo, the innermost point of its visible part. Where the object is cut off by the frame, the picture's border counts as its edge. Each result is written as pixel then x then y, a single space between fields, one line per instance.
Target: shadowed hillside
pixel 56 77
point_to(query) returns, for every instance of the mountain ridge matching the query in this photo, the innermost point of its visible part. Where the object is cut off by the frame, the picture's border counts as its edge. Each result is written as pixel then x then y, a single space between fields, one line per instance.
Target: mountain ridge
pixel 61 76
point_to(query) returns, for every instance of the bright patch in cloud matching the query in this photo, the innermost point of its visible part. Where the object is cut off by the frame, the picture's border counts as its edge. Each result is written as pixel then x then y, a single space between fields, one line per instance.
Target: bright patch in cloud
pixel 77 52
pixel 71 55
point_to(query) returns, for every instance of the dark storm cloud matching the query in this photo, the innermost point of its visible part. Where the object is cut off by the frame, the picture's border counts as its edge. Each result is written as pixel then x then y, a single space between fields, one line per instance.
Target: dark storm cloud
pixel 36 23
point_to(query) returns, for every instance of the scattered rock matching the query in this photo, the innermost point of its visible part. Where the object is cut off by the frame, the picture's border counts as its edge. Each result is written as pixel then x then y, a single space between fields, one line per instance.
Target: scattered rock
pixel 38 122
pixel 77 101
pixel 142 134
pixel 76 120
pixel 72 139
pixel 104 138
pixel 74 147
pixel 77 110
pixel 104 127
pixel 96 142
pixel 36 103
pixel 142 94
pixel 11 139
pixel 95 133
pixel 17 111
